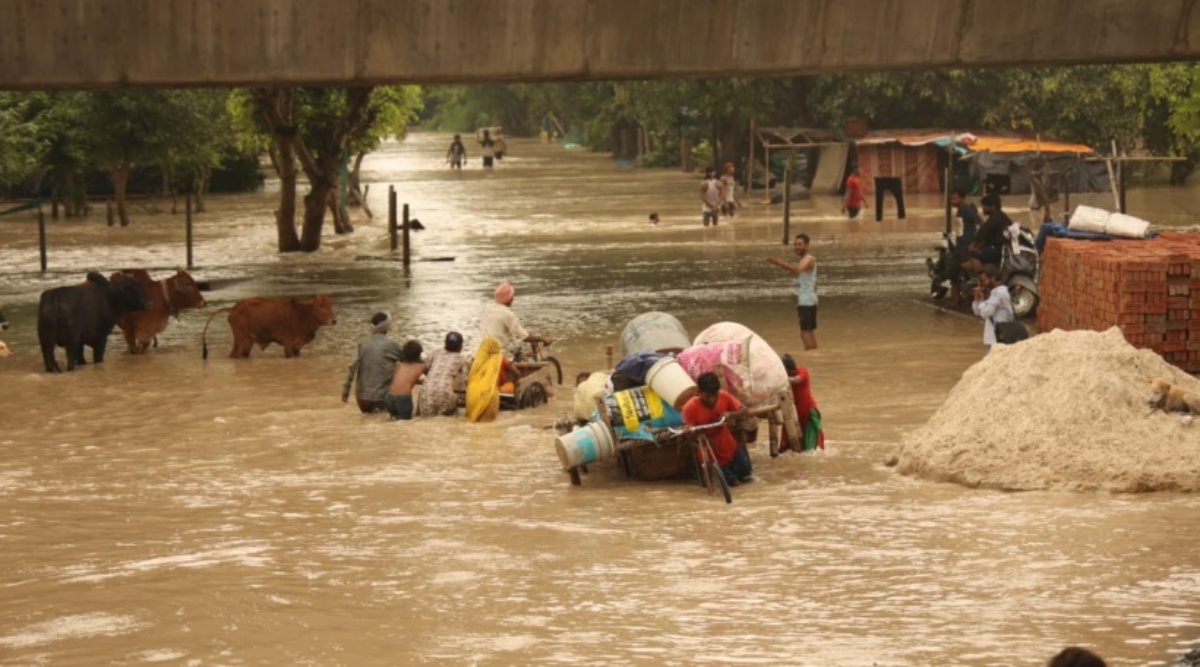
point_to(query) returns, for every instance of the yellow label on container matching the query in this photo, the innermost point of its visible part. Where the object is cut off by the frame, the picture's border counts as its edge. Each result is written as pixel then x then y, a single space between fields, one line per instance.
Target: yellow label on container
pixel 638 404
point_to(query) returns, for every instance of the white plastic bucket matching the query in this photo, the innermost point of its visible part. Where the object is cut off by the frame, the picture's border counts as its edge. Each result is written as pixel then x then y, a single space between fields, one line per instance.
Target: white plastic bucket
pixel 585 445
pixel 669 380
pixel 653 332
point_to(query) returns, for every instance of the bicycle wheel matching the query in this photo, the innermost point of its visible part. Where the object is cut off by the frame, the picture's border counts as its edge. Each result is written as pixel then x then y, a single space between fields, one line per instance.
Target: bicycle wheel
pixel 711 475
pixel 557 368
pixel 718 481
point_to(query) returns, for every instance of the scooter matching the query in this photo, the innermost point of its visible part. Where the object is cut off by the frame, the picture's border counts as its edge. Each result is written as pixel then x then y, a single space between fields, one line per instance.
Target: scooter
pixel 1018 271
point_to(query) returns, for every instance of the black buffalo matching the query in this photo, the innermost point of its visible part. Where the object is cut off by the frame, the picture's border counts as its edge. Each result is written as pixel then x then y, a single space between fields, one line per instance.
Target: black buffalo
pixel 80 315
pixel 3 323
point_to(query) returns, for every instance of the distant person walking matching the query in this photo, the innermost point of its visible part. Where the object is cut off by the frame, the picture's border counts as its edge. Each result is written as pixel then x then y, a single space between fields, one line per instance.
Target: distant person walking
pixel 500 145
pixel 729 187
pixel 457 154
pixel 712 197
pixel 805 271
pixel 854 201
pixel 489 149
pixel 373 366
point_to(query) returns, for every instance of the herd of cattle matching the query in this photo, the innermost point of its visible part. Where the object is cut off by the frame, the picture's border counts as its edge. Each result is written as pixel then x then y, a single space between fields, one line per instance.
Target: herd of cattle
pixel 83 315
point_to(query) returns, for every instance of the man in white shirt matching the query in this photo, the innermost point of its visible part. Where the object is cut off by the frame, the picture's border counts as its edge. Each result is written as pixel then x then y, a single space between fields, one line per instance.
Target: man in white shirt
pixel 500 322
pixel 992 303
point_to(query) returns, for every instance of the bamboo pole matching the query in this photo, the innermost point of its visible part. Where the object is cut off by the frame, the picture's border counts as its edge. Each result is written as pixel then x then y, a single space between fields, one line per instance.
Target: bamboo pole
pixel 407 247
pixel 787 203
pixel 392 230
pixel 750 165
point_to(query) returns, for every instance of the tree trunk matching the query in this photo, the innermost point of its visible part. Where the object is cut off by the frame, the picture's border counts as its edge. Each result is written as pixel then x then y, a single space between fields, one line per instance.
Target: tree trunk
pixel 201 188
pixel 315 203
pixel 285 216
pixel 341 223
pixel 357 196
pixel 120 179
pixel 275 104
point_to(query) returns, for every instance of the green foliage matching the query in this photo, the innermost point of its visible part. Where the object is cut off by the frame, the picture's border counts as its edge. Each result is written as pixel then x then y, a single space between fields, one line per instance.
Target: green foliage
pixel 22 145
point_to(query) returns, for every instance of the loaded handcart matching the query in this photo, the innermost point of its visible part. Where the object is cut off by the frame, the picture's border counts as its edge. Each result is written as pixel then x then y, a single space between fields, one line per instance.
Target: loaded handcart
pixel 648 439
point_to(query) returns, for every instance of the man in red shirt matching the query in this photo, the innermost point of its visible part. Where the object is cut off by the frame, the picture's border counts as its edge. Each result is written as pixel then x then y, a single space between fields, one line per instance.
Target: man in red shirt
pixel 812 435
pixel 854 194
pixel 709 406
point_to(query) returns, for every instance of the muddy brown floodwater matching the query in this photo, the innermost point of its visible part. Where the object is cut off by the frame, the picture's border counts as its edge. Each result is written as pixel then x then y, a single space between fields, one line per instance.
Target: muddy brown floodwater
pixel 229 512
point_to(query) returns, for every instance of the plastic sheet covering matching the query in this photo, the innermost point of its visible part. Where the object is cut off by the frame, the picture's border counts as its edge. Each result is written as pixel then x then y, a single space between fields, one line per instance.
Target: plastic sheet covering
pixel 635 366
pixel 586 395
pixel 729 360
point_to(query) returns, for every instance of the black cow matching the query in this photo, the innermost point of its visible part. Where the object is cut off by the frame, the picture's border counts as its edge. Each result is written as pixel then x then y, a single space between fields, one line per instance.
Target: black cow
pixel 3 323
pixel 80 315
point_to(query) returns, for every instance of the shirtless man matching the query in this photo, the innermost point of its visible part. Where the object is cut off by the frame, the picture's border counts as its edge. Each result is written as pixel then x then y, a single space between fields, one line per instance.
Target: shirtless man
pixel 409 369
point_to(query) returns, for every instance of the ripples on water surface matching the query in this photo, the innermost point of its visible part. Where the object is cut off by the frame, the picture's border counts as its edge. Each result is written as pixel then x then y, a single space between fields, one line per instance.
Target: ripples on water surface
pixel 165 509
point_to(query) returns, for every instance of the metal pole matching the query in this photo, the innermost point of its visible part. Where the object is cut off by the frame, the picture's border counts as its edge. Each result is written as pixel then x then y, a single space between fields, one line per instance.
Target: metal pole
pixel 750 164
pixel 188 218
pixel 392 231
pixel 42 237
pixel 787 203
pixel 407 247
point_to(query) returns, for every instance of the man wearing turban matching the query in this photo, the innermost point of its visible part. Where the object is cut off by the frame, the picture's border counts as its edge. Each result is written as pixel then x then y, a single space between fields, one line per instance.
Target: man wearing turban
pixel 500 322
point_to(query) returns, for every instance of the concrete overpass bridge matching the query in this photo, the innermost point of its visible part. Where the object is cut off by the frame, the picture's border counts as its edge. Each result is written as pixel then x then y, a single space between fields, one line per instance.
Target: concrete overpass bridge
pixel 48 44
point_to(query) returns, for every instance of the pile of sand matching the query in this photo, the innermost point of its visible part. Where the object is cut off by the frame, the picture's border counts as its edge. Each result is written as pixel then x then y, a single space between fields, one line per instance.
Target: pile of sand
pixel 1063 410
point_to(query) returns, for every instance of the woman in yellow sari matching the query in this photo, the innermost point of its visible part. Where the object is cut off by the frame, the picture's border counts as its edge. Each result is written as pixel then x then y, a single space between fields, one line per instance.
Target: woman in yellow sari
pixel 483 383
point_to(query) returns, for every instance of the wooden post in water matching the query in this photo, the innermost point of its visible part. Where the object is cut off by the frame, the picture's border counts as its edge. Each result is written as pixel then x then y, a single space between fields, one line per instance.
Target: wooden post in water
pixel 110 213
pixel 787 203
pixel 949 189
pixel 188 223
pixel 750 162
pixel 42 238
pixel 407 247
pixel 608 357
pixel 392 231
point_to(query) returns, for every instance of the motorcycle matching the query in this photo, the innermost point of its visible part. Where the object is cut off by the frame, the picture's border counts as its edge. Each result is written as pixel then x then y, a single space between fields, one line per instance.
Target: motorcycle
pixel 1018 271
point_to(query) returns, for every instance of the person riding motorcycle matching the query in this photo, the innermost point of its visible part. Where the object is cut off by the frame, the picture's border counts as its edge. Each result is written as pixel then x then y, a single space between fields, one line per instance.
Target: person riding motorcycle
pixel 988 245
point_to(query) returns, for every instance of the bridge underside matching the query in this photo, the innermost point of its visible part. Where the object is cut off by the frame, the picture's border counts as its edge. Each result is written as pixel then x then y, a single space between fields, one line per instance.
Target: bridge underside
pixel 46 44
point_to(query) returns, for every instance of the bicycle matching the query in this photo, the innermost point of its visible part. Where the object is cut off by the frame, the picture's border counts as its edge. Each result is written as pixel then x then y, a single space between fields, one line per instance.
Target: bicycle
pixel 709 471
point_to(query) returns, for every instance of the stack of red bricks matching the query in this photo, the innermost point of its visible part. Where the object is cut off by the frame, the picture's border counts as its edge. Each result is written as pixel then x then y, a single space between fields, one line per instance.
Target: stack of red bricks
pixel 1148 288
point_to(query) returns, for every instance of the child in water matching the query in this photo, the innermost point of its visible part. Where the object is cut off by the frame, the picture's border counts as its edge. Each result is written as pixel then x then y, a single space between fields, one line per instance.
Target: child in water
pixel 409 369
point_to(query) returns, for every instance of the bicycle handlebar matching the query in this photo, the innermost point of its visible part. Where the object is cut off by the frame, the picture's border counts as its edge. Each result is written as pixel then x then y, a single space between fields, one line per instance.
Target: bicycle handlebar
pixel 698 427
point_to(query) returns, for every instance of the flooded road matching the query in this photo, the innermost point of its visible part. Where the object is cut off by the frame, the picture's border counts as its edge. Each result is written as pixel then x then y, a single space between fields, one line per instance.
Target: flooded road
pixel 168 509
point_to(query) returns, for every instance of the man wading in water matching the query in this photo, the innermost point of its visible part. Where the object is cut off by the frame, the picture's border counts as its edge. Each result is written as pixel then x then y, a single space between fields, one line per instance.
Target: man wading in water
pixel 373 365
pixel 712 196
pixel 806 289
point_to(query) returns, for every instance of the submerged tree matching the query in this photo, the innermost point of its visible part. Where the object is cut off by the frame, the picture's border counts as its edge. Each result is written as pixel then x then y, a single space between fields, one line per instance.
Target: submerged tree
pixel 318 129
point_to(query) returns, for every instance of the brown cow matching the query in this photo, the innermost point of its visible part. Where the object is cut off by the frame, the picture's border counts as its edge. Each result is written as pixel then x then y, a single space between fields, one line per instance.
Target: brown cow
pixel 167 298
pixel 290 322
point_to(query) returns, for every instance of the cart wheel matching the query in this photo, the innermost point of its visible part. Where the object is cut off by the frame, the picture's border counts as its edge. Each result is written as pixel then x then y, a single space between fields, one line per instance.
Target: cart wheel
pixel 533 396
pixel 557 368
pixel 717 480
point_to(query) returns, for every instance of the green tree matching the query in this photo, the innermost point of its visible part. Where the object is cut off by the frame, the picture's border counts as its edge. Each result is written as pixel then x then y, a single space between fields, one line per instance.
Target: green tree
pixel 319 128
